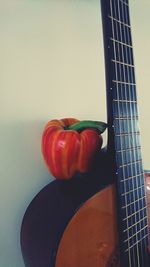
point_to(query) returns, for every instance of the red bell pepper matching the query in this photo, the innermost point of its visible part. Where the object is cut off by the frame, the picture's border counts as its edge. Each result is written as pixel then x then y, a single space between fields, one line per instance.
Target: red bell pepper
pixel 69 146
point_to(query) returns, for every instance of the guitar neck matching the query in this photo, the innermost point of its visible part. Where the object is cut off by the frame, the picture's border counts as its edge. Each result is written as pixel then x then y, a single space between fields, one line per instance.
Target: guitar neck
pixel 124 136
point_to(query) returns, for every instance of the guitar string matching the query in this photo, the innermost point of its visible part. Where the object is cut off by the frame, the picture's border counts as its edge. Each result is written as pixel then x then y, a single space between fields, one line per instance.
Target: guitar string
pixel 139 180
pixel 123 87
pixel 114 48
pixel 127 140
pixel 142 180
pixel 146 230
pixel 125 55
pixel 129 74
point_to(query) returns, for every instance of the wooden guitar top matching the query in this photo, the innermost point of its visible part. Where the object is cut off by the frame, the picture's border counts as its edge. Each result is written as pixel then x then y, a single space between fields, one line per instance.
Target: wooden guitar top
pixel 91 238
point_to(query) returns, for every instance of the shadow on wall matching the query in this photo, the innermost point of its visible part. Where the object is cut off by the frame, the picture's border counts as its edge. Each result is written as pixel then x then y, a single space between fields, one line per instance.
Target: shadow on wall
pixel 23 175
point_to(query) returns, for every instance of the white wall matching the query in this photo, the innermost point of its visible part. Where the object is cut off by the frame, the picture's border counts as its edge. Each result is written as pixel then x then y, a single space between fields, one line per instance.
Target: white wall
pixel 51 66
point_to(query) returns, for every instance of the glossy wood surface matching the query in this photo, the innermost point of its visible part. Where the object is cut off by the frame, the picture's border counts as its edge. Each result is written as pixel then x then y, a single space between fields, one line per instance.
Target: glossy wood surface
pixel 91 237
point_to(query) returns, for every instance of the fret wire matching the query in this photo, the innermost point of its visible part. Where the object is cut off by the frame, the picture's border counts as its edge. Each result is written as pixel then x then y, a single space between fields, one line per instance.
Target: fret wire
pixel 128 149
pixel 126 118
pixel 135 224
pixel 121 82
pixel 112 18
pixel 122 63
pixel 125 101
pixel 125 124
pixel 133 162
pixel 133 176
pixel 136 233
pixel 146 235
pixel 130 162
pixel 117 41
pixel 126 134
pixel 128 166
pixel 127 142
pixel 130 175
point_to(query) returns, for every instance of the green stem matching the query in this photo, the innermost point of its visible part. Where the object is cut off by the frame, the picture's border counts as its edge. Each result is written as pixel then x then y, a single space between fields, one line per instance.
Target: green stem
pixel 82 125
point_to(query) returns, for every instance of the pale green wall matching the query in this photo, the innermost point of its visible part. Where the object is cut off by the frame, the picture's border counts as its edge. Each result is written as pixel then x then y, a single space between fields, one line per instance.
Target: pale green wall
pixel 51 66
pixel 140 18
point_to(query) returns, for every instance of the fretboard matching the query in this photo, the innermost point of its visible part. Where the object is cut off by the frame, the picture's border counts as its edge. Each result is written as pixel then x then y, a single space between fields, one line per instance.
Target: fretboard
pixel 123 125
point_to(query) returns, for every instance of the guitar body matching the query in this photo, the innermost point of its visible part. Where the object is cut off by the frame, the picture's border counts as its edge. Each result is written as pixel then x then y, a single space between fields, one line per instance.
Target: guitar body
pixel 70 224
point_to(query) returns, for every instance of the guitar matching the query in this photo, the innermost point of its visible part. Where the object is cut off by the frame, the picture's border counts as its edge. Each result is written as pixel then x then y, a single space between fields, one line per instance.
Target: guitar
pixel 99 219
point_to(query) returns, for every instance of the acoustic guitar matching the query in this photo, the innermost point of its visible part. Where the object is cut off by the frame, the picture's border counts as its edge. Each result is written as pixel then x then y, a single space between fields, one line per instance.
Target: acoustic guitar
pixel 99 219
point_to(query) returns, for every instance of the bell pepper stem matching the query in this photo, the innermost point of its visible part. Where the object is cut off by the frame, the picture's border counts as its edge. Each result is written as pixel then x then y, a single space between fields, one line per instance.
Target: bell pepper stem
pixel 86 124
